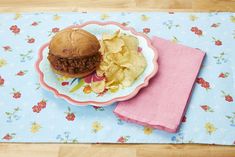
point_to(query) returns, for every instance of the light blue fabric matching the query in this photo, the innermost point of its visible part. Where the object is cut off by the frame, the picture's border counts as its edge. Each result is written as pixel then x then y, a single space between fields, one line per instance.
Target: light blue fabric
pixel 209 118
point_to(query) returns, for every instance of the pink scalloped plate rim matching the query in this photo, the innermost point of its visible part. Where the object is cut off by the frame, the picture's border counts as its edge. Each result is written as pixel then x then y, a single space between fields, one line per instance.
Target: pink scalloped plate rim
pixel 105 103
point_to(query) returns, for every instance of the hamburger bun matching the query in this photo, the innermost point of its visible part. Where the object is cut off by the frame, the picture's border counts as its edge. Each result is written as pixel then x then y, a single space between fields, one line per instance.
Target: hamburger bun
pixel 74 52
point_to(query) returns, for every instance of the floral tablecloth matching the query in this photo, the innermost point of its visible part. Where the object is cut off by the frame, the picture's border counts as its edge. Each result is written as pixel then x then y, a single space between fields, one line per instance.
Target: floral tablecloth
pixel 31 114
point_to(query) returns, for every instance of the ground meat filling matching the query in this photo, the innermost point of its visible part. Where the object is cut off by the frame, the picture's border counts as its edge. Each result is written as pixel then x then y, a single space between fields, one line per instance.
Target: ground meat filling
pixel 75 65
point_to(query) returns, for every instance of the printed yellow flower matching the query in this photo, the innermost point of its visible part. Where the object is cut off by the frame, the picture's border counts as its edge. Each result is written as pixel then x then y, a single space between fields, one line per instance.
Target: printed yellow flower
pixel 35 127
pixel 144 18
pixel 232 18
pixel 104 16
pixel 96 126
pixel 148 130
pixel 17 16
pixel 56 17
pixel 193 17
pixel 210 128
pixel 62 78
pixel 2 62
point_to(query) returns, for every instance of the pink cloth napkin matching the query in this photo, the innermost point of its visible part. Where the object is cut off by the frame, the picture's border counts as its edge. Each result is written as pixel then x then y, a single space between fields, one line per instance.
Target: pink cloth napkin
pixel 162 104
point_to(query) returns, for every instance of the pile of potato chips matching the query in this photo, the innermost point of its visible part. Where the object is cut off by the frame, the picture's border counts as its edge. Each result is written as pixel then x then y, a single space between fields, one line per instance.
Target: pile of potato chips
pixel 121 63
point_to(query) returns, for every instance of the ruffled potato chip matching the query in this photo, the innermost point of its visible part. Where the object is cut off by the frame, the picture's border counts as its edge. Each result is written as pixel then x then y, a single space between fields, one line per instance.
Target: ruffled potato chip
pixel 131 42
pixel 113 89
pixel 99 72
pixel 106 36
pixel 111 71
pixel 98 86
pixel 121 64
pixel 129 78
pixel 102 47
pixel 114 46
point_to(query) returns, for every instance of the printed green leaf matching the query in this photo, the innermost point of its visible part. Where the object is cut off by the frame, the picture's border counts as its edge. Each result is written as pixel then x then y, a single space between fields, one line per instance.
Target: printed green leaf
pixel 78 86
pixel 7 113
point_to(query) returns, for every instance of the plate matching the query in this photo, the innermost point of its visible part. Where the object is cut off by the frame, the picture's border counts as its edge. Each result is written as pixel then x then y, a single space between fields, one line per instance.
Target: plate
pixel 77 91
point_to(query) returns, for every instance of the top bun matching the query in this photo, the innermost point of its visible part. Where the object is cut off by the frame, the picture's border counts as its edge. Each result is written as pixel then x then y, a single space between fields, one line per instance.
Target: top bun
pixel 74 42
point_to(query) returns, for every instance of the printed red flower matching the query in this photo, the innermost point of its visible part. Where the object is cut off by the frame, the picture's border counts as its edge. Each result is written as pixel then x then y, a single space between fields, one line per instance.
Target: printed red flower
pixel 70 117
pixel 205 85
pixel 42 104
pixel 31 40
pixel 96 107
pixel 200 80
pixel 194 29
pixel 13 27
pixel 65 83
pixel 184 119
pixel 16 31
pixel 121 139
pixel 146 30
pixel 205 107
pixel 36 109
pixel 34 23
pixel 1 81
pixel 20 73
pixel 229 98
pixel 139 49
pixel 55 30
pixel 7 137
pixel 16 95
pixel 218 42
pixel 222 75
pixel 198 32
pixel 6 48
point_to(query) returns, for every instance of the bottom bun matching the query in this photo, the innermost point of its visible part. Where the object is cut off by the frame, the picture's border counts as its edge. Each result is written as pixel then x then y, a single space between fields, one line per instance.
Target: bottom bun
pixel 79 75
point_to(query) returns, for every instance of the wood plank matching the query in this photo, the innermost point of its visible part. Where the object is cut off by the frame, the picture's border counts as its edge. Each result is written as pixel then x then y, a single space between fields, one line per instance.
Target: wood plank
pixel 114 5
pixel 214 5
pixel 112 150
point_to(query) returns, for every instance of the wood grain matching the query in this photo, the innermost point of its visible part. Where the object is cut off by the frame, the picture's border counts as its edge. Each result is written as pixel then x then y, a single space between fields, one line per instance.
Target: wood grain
pixel 116 5
pixel 115 150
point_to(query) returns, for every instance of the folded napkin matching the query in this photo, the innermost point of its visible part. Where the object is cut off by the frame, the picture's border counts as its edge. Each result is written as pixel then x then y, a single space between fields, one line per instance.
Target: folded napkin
pixel 162 104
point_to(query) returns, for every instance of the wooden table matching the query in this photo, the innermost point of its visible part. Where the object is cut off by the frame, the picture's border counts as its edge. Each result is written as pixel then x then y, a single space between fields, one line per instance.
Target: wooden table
pixel 115 150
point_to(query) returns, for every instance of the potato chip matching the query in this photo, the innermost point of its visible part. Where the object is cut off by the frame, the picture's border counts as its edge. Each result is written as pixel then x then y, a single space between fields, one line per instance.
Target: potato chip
pixel 113 89
pixel 103 66
pixel 110 37
pixel 131 42
pixel 114 46
pixel 129 78
pixel 98 86
pixel 102 47
pixel 99 72
pixel 110 72
pixel 119 76
pixel 121 64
